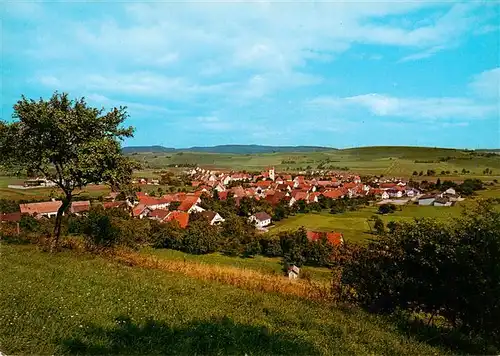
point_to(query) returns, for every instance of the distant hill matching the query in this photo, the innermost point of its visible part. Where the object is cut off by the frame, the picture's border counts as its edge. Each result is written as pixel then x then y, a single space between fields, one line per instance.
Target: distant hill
pixel 233 149
pixel 143 149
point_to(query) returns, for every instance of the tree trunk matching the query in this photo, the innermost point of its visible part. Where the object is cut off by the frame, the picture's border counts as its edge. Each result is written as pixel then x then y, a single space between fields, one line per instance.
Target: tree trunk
pixel 57 228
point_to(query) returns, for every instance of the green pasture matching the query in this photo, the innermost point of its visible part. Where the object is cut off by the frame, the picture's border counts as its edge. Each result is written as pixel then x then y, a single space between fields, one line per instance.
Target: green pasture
pixel 259 263
pixel 71 303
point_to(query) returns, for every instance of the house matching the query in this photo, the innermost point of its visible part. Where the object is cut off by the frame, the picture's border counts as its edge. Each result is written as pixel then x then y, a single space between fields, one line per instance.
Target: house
pixel 442 201
pixel 450 191
pixel 10 217
pixel 293 272
pixel 159 214
pixel 48 209
pixel 426 200
pixel 334 194
pixel 394 193
pixel 181 217
pixel 334 238
pixel 154 203
pixel 140 211
pixel 189 203
pixel 80 207
pixel 275 199
pixel 261 219
pixel 115 205
pixel 385 195
pixel 412 192
pixel 212 217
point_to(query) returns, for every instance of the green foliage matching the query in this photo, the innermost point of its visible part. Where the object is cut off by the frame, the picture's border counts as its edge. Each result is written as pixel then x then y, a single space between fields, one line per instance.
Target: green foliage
pixel 69 143
pixel 99 230
pixel 386 209
pixel 447 270
pixel 8 206
pixel 201 238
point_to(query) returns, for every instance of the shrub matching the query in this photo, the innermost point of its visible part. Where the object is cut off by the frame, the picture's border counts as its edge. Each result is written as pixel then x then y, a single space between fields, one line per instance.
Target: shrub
pixel 386 208
pixel 99 230
pixel 201 238
pixel 432 267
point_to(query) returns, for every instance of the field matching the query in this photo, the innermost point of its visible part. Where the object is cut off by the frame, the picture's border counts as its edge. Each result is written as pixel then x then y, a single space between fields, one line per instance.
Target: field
pixel 76 303
pixel 258 263
pixel 354 224
pixel 389 161
pixel 42 193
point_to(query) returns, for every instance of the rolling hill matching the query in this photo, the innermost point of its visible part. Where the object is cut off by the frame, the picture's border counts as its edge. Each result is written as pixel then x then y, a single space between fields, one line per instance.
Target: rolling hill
pixel 232 149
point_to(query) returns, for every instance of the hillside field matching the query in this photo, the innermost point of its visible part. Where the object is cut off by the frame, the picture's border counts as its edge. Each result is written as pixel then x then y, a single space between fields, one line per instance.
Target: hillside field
pixel 389 161
pixel 354 224
pixel 77 303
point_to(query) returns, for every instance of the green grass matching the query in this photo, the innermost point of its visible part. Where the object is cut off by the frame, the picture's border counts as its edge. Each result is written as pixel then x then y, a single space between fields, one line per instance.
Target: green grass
pixel 390 161
pixel 43 193
pixel 69 303
pixel 258 263
pixel 354 224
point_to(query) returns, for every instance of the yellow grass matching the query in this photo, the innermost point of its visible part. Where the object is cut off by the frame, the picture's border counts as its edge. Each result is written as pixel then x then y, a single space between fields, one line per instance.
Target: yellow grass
pixel 242 278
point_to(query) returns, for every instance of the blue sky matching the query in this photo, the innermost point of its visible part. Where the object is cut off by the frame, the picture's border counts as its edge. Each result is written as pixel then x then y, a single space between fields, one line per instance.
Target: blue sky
pixel 339 74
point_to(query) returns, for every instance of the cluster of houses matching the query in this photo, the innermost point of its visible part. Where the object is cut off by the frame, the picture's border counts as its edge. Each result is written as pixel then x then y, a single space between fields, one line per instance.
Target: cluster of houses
pixel 268 185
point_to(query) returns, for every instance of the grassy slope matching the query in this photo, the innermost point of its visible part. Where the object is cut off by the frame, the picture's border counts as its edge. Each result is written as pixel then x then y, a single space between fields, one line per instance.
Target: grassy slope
pixel 69 303
pixel 354 224
pixel 41 193
pixel 258 263
pixel 390 161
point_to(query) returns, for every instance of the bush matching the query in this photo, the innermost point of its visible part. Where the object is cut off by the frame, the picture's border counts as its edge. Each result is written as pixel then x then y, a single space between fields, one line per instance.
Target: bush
pixel 99 230
pixel 386 208
pixel 270 247
pixel 432 267
pixel 201 238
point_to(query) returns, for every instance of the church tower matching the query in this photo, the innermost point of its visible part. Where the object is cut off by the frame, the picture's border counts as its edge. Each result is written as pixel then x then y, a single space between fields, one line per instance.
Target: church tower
pixel 271 173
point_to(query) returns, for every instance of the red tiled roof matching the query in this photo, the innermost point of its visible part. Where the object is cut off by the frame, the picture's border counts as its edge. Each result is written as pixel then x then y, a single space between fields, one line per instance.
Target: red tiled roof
pixel 10 217
pixel 313 235
pixel 333 194
pixel 80 206
pixel 223 195
pixel 187 203
pixel 335 238
pixel 387 185
pixel 180 216
pixel 274 199
pixel 349 185
pixel 159 214
pixel 113 204
pixel 40 208
pixel 299 195
pixel 263 183
pixel 138 209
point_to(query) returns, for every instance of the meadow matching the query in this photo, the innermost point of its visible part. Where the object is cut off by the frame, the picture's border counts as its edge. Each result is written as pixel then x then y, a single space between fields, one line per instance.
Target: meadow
pixel 258 263
pixel 387 161
pixel 79 303
pixel 354 224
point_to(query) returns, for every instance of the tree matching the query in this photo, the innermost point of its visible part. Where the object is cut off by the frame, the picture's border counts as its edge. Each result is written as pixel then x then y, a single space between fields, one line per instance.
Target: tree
pixel 69 142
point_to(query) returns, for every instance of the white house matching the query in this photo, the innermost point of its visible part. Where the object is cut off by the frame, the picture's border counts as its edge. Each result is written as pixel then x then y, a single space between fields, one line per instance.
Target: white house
pixel 293 272
pixel 426 200
pixel 450 191
pixel 261 219
pixel 385 195
pixel 213 217
pixel 48 209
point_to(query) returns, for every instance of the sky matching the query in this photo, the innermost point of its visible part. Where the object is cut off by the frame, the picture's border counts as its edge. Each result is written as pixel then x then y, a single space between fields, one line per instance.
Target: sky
pixel 338 74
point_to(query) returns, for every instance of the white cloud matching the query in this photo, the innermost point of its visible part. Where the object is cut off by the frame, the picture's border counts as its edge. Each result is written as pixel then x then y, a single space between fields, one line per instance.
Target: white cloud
pixel 423 54
pixel 412 108
pixel 487 83
pixel 238 40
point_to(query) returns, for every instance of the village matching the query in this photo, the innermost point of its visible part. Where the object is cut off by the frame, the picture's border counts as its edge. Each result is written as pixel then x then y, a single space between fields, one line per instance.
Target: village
pixel 270 186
